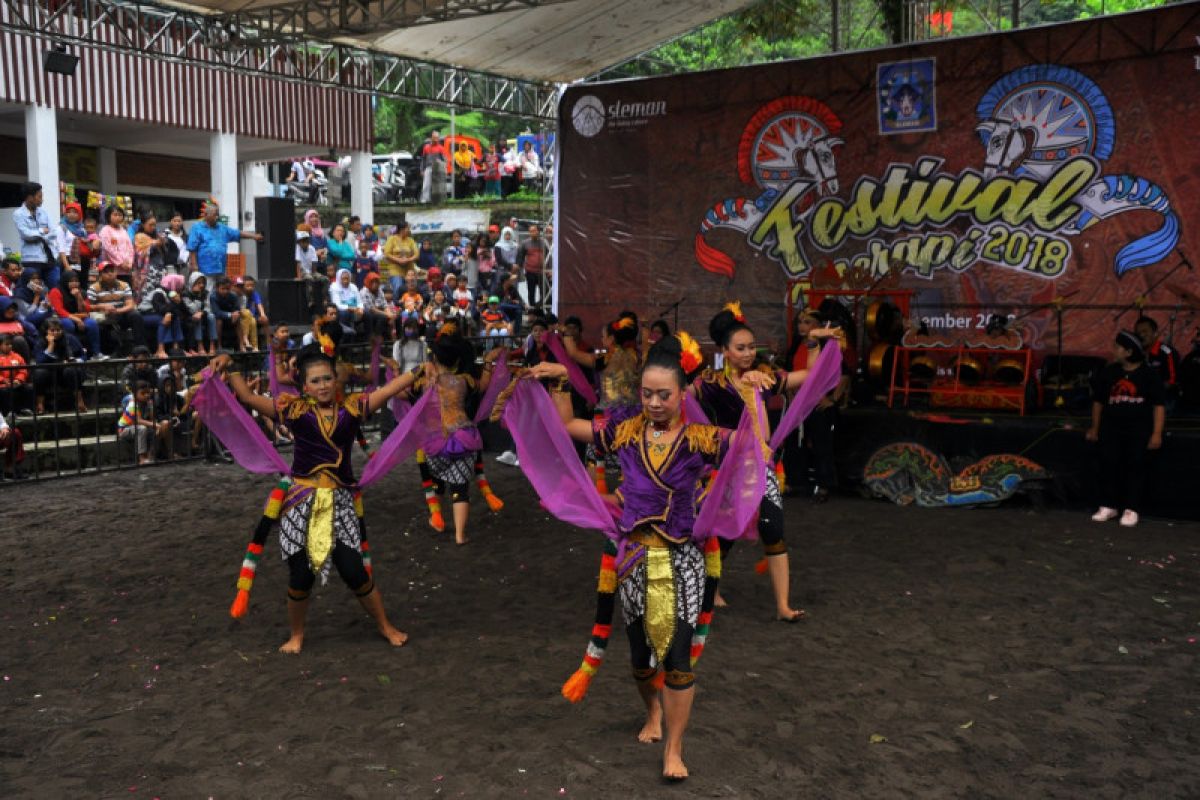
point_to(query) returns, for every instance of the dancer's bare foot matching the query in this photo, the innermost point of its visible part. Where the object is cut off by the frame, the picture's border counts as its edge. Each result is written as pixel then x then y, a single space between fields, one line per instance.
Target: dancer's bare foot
pixel 673 766
pixel 460 540
pixel 292 645
pixel 786 614
pixel 719 601
pixel 652 730
pixel 395 636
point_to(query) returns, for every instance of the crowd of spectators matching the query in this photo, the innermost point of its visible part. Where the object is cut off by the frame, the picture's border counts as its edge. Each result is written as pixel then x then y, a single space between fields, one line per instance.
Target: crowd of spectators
pixel 379 285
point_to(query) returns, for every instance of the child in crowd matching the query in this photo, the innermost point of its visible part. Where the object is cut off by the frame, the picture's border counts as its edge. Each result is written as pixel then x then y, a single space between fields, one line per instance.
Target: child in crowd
pixel 15 389
pixel 137 423
pixel 172 411
pixel 411 302
pixel 364 262
pixel 493 320
pixel 435 313
pixel 255 305
pixel 245 319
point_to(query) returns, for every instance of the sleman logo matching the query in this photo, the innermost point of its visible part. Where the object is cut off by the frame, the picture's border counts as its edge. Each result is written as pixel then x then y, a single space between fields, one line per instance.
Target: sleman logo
pixel 588 115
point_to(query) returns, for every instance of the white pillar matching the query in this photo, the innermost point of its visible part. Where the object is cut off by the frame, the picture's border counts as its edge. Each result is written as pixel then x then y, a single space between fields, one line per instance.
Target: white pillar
pixel 224 165
pixel 362 198
pixel 106 167
pixel 254 184
pixel 41 146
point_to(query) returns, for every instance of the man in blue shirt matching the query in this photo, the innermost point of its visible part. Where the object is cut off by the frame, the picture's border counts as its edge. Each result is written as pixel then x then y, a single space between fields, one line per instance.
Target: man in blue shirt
pixel 39 247
pixel 207 241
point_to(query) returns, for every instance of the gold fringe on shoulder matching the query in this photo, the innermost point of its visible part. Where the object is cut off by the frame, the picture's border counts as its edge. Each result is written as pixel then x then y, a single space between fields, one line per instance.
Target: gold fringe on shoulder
pixel 629 432
pixel 703 439
pixel 291 407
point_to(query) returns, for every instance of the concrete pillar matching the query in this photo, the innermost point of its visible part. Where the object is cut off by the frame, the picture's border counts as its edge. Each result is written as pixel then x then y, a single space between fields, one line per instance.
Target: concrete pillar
pixel 41 146
pixel 253 184
pixel 362 198
pixel 106 167
pixel 224 165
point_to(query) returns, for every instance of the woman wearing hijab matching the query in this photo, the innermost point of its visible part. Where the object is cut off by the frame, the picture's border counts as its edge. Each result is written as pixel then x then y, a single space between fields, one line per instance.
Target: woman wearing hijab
pixel 344 294
pixel 71 234
pixel 70 303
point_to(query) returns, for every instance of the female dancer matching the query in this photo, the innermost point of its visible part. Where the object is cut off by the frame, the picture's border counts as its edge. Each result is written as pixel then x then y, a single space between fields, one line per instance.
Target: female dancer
pixel 619 369
pixel 454 466
pixel 320 522
pixel 724 395
pixel 667 580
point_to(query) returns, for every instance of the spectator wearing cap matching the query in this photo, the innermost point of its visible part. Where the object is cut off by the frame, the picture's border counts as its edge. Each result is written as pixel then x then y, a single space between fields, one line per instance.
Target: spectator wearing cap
pixel 112 298
pixel 1127 420
pixel 39 244
pixel 308 268
pixel 208 240
pixel 493 320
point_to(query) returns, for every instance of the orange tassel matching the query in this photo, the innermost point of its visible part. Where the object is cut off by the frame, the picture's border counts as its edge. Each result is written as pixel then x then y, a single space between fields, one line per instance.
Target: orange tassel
pixel 241 604
pixel 436 521
pixel 601 479
pixel 576 686
pixel 660 681
pixel 494 503
pixel 761 566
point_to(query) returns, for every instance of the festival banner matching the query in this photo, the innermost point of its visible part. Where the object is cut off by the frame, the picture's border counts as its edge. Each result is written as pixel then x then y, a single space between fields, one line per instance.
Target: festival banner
pixel 986 175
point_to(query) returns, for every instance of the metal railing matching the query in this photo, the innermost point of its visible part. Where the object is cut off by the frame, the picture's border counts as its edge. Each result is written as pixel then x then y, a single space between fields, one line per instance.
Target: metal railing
pixel 65 418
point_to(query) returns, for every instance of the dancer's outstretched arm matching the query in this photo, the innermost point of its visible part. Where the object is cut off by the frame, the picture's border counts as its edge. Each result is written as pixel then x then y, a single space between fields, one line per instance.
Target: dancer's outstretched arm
pixel 380 397
pixel 265 406
pixel 578 429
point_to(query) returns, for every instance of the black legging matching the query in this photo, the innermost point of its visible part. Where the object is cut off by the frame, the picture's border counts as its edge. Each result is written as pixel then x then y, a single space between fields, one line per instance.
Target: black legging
pixel 677 664
pixel 770 531
pixel 815 452
pixel 533 286
pixel 1123 457
pixel 346 560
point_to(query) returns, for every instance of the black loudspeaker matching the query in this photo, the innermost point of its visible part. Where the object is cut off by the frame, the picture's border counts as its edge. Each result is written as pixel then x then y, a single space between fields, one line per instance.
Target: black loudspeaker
pixel 287 301
pixel 275 219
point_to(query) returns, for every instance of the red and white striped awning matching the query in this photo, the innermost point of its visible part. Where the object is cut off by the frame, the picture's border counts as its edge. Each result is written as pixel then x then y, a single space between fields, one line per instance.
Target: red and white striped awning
pixel 129 86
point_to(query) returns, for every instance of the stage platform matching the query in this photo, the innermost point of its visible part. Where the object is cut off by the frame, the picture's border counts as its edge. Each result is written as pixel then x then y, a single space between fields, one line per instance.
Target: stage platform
pixel 1054 440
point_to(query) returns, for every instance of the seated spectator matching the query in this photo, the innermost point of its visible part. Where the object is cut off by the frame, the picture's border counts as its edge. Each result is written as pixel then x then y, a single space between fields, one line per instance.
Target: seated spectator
pixel 435 313
pixel 250 318
pixel 137 423
pixel 22 334
pixel 493 320
pixel 409 350
pixel 176 367
pixel 74 312
pixel 172 411
pixel 139 368
pixel 162 307
pixel 33 302
pixel 364 263
pixel 200 321
pixel 255 305
pixel 11 277
pixel 378 317
pixel 16 393
pixel 511 303
pixel 344 294
pixel 426 258
pixel 55 374
pixel 326 331
pixel 227 308
pixel 390 297
pixel 13 451
pixel 433 282
pixel 112 305
pixel 412 302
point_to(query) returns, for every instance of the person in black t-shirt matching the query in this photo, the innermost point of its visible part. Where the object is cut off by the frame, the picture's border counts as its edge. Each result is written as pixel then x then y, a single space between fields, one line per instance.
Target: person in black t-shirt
pixel 1127 420
pixel 1160 357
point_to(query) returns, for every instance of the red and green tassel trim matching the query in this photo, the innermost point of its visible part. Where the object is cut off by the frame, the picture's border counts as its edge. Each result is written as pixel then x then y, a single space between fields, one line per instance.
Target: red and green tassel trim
pixel 576 687
pixel 431 499
pixel 254 550
pixel 712 577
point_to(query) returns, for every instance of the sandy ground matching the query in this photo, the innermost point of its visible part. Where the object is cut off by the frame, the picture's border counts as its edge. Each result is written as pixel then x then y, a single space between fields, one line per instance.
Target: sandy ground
pixel 986 653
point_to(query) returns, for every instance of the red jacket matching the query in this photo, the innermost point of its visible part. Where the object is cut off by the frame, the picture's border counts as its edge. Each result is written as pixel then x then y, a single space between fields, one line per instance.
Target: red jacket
pixel 56 302
pixel 7 376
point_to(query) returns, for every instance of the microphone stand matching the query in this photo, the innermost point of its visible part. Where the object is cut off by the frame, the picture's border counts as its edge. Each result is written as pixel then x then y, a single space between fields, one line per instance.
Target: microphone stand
pixel 674 307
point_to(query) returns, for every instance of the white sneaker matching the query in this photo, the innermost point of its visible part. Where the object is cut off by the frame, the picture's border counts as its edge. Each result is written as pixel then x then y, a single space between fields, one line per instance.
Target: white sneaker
pixel 1129 519
pixel 510 458
pixel 1105 514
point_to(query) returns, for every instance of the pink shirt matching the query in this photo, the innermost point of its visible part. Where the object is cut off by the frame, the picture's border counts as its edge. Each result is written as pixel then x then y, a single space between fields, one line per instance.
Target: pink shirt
pixel 117 247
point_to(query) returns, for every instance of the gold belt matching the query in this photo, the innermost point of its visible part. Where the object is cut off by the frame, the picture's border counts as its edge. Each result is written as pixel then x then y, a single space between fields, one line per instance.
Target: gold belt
pixel 322 480
pixel 648 537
